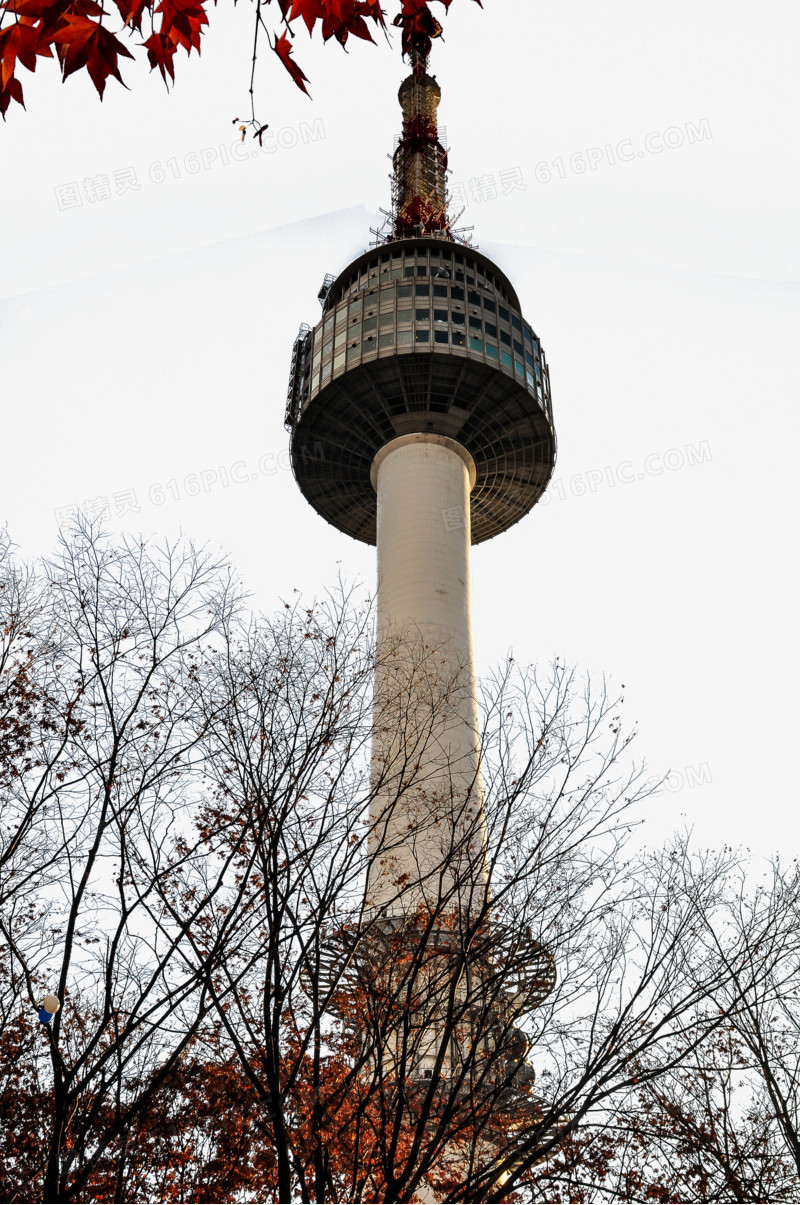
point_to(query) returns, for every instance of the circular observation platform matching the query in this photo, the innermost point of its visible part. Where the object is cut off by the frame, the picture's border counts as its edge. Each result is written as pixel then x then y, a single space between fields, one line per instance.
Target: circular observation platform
pixel 421 335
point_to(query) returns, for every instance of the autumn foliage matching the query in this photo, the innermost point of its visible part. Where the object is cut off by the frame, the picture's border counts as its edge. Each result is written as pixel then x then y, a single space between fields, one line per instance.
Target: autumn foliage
pixel 85 34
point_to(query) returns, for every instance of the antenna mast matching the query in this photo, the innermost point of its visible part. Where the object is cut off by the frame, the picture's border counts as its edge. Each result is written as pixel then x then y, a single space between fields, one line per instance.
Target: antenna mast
pixel 419 187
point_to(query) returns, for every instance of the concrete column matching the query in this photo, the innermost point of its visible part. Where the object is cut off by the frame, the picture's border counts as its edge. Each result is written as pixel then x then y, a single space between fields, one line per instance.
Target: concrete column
pixel 427 815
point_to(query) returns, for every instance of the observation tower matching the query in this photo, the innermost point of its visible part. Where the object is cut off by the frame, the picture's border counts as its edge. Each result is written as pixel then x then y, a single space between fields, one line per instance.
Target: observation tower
pixel 420 419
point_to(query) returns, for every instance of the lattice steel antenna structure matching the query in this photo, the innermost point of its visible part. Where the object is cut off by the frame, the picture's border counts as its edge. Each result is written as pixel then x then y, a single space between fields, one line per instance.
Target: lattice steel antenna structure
pixel 421 421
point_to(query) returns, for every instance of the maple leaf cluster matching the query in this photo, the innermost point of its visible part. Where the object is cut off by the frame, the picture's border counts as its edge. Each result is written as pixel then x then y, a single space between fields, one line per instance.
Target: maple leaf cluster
pixel 82 34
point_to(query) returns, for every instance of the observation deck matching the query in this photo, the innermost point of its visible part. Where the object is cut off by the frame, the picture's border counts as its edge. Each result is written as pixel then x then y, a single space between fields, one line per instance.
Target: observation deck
pixel 422 334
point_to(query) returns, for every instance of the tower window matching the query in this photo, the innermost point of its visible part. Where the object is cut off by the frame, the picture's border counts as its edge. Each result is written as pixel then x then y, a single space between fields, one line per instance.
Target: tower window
pixel 422 336
pixel 441 336
pixel 457 317
pixel 458 338
pixel 457 294
pixel 475 324
pixel 491 329
pixel 440 315
pixel 422 315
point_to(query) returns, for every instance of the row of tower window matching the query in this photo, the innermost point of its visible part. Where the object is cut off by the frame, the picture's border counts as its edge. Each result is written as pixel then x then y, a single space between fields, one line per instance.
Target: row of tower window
pixel 422 334
pixel 443 262
pixel 364 315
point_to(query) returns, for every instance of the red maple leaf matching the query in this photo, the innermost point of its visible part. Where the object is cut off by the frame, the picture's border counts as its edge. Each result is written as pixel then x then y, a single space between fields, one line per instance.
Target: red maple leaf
pixel 183 21
pixel 283 49
pixel 8 92
pixel 17 41
pixel 419 26
pixel 160 53
pixel 339 18
pixel 85 43
pixel 132 11
pixel 51 14
pixel 182 24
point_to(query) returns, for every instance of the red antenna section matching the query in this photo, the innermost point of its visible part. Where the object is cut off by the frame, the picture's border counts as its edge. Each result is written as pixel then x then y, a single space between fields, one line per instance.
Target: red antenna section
pixel 419 188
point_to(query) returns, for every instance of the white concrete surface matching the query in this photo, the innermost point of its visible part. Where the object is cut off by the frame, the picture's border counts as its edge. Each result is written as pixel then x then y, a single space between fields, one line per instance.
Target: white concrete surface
pixel 427 813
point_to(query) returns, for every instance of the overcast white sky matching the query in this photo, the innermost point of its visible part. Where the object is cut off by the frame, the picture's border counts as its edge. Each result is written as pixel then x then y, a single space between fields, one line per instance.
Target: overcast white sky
pixel 145 338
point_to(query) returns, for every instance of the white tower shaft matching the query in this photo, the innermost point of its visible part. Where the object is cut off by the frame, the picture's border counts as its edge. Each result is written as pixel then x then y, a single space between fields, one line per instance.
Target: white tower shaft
pixel 427 816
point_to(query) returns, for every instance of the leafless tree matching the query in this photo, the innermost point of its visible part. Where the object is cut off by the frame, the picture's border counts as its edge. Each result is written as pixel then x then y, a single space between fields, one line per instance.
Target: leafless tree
pixel 194 819
pixel 394 1049
pixel 99 762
